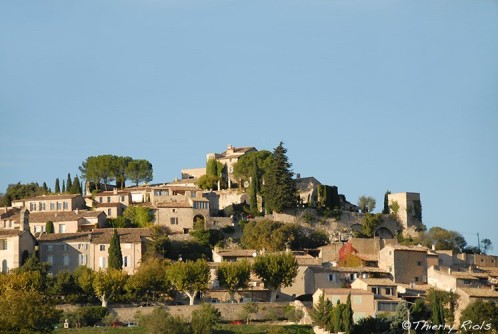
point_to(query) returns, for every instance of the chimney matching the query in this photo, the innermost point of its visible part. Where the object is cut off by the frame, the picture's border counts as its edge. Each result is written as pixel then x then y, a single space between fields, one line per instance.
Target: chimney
pixel 77 211
pixel 115 191
pixel 24 220
pixel 449 271
pixel 433 247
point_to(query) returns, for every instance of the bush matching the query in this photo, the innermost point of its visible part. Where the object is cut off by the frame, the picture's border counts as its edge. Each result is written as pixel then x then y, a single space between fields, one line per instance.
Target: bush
pixel 86 315
pixel 160 322
pixel 293 314
pixel 204 319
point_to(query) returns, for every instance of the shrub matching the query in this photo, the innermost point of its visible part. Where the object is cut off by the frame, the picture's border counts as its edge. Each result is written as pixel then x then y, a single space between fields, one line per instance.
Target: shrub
pixel 160 322
pixel 204 319
pixel 86 315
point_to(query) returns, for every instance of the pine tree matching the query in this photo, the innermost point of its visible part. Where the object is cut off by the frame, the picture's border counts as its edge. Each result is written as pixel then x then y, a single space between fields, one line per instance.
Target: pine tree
pixel 57 186
pixel 280 189
pixel 69 183
pixel 115 254
pixel 63 186
pixel 254 189
pixel 347 316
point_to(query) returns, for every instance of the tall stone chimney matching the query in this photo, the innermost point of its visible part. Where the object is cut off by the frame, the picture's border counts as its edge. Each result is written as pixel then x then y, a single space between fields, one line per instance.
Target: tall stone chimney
pixel 24 220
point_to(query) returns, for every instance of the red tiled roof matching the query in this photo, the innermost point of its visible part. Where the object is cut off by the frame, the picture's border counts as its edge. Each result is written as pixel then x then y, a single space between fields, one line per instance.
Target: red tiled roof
pixel 48 197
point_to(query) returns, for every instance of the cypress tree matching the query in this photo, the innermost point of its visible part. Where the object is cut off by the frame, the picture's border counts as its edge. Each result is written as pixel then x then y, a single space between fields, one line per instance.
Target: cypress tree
pixel 76 187
pixel 49 227
pixel 69 183
pixel 254 190
pixel 337 317
pixel 63 186
pixel 280 189
pixel 115 254
pixel 386 209
pixel 211 167
pixel 347 316
pixel 437 313
pixel 57 186
pixel 45 188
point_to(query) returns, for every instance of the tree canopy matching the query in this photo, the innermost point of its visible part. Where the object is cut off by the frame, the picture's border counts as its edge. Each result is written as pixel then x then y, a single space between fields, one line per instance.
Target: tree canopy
pixel 444 239
pixel 279 189
pixel 107 168
pixel 190 277
pixel 276 270
pixel 107 283
pixel 19 191
pixel 234 276
pixel 366 203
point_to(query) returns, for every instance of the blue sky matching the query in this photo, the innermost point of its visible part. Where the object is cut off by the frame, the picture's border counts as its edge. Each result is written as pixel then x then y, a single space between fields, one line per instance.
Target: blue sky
pixel 366 95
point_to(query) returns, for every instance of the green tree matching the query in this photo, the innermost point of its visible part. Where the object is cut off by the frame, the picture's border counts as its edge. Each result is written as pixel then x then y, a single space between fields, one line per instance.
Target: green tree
pixel 234 276
pixel 139 216
pixel 328 197
pixel 484 314
pixel 254 188
pixel 243 169
pixel 27 311
pixel 45 188
pixel 189 277
pixel 139 171
pixel 19 191
pixel 115 254
pixel 322 312
pixel 204 319
pixel 76 186
pixel 280 189
pixel 347 316
pixel 149 280
pixel 49 227
pixel 437 317
pixel 370 223
pixel 63 186
pixel 386 209
pixel 337 317
pixel 276 270
pixel 57 186
pixel 160 321
pixel 84 277
pixel 69 183
pixel 444 239
pixel 366 203
pixel 107 283
pixel 248 310
pixel 486 245
pixel 208 182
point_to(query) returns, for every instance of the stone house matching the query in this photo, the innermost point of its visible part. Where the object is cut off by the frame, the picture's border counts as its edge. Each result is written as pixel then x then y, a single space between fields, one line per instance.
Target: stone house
pixel 362 301
pixel 378 286
pixel 16 245
pixel 228 158
pixel 307 188
pixel 113 203
pixel 449 280
pixel 58 202
pixel 71 250
pixel 406 264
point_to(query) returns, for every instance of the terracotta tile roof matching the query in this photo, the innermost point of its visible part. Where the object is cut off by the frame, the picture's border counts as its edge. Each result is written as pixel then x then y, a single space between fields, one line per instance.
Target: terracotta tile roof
pixel 350 269
pixel 236 252
pixel 173 205
pixel 99 236
pixel 340 291
pixel 60 216
pixel 378 281
pixel 110 192
pixel 480 292
pixel 368 257
pixel 408 248
pixel 48 197
pixel 107 205
pixel 463 275
pixel 10 232
pixel 307 260
pixel 9 212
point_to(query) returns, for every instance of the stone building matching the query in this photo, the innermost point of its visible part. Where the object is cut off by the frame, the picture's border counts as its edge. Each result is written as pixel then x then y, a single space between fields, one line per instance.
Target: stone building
pixel 408 209
pixel 406 264
pixel 58 202
pixel 16 245
pixel 70 250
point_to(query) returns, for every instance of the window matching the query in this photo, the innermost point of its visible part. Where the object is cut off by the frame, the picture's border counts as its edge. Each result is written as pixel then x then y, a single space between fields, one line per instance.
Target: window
pixel 174 220
pixel 108 199
pixel 193 194
pixel 173 210
pixel 389 291
pixel 122 198
pixel 59 205
pixel 102 248
pixel 66 205
pixel 419 263
pixel 102 262
pixel 50 260
pixel 386 307
pixel 62 228
pixel 82 259
pixel 390 253
pixel 65 260
pixel 100 199
pixel 332 278
pixel 125 261
pixel 52 206
pixel 32 206
pixel 3 244
pixel 375 290
pixel 41 206
pixel 38 228
pixel 353 276
pixel 466 281
pixel 50 248
pixel 109 212
pixel 416 279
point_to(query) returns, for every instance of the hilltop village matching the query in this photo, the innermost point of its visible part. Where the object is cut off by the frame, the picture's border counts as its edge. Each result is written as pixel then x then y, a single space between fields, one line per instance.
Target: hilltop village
pixel 235 215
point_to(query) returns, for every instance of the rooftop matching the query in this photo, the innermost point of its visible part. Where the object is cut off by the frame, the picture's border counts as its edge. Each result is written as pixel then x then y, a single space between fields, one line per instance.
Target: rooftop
pixel 480 292
pixel 98 236
pixel 378 281
pixel 340 291
pixel 48 197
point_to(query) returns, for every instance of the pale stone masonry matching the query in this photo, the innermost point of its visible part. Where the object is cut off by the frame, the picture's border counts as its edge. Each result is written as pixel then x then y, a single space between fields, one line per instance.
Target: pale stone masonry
pixel 406 264
pixel 16 245
pixel 70 250
pixel 57 202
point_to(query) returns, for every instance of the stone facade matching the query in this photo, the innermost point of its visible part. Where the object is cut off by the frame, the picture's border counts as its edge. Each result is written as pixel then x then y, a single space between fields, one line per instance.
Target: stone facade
pixel 409 211
pixel 405 264
pixel 59 202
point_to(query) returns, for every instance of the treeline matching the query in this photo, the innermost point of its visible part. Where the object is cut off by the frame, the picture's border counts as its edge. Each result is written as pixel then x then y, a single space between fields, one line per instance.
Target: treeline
pixel 103 169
